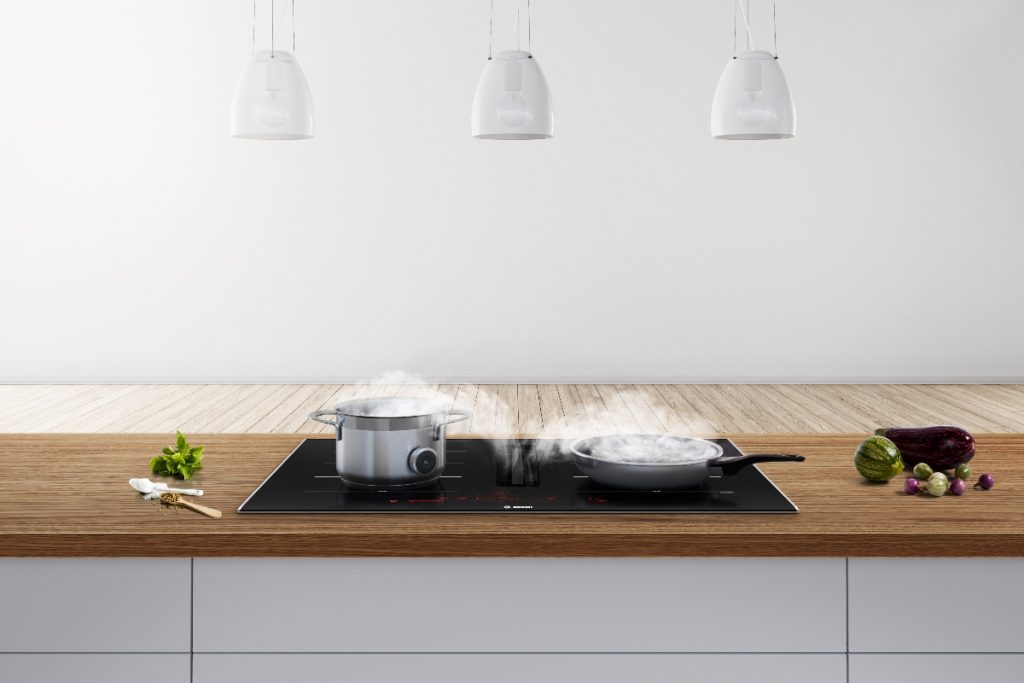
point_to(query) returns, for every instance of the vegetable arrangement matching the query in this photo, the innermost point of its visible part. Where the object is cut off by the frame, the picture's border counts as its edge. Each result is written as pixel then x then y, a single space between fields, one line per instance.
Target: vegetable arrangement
pixel 932 451
pixel 181 460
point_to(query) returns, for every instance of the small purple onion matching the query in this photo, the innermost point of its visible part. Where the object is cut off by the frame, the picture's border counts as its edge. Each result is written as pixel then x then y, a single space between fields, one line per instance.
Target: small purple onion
pixel 958 487
pixel 985 482
pixel 911 486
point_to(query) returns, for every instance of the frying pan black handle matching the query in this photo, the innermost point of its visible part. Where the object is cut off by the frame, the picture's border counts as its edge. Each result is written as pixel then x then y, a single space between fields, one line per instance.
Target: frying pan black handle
pixel 735 463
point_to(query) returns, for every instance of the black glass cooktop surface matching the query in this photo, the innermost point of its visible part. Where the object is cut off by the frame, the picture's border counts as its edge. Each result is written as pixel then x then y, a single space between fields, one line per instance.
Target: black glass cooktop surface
pixel 503 475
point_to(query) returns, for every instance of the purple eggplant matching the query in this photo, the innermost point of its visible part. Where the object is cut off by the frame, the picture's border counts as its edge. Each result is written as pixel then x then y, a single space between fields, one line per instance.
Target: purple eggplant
pixel 943 447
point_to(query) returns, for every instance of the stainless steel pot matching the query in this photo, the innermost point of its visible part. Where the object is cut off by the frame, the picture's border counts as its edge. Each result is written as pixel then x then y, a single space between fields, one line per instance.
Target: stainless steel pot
pixel 655 461
pixel 390 442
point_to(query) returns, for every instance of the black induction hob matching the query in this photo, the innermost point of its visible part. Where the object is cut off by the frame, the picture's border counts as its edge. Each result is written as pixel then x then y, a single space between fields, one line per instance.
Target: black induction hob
pixel 503 475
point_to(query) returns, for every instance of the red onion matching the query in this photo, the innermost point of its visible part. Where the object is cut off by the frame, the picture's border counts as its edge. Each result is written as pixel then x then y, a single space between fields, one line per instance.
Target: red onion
pixel 985 482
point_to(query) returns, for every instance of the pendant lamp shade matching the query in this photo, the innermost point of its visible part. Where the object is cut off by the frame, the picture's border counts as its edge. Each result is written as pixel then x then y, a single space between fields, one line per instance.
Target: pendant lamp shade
pixel 512 100
pixel 272 100
pixel 752 101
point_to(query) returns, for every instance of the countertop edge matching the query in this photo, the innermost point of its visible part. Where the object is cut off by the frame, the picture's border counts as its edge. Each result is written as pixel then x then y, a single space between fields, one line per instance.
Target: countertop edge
pixel 517 545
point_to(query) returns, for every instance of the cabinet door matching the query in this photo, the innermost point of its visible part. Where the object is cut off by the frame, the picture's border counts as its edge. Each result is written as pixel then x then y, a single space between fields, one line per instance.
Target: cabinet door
pixel 519 605
pixel 94 668
pixel 936 668
pixel 937 605
pixel 470 668
pixel 94 605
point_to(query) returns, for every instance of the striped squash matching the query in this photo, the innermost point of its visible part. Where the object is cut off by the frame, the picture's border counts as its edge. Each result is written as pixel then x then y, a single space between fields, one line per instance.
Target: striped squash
pixel 878 459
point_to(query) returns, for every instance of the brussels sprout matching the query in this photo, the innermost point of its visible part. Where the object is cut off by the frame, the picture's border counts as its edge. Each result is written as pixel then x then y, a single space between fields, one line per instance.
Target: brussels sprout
pixel 938 484
pixel 922 471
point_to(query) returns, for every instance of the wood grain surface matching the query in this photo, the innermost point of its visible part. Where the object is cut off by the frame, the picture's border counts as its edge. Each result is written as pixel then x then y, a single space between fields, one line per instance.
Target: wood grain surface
pixel 533 408
pixel 67 495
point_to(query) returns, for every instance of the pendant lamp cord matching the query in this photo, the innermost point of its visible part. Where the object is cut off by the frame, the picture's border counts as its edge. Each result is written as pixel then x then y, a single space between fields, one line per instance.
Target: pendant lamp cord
pixel 775 32
pixel 735 20
pixel 273 21
pixel 746 23
pixel 744 12
pixel 490 29
pixel 515 27
pixel 529 28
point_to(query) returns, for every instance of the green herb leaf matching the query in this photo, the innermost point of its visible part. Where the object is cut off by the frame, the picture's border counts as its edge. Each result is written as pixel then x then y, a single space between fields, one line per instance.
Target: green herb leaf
pixel 183 460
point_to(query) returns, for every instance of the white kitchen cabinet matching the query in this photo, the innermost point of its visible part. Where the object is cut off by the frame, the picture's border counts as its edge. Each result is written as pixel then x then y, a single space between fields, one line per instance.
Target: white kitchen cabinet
pixel 94 668
pixel 981 605
pixel 529 605
pixel 936 668
pixel 94 605
pixel 493 668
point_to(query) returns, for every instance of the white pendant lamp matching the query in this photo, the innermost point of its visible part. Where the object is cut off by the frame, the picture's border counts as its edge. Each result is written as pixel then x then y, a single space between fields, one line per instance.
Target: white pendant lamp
pixel 272 100
pixel 512 100
pixel 752 101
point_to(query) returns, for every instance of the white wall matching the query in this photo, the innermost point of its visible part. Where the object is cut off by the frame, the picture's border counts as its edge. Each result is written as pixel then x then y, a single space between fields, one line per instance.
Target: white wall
pixel 141 243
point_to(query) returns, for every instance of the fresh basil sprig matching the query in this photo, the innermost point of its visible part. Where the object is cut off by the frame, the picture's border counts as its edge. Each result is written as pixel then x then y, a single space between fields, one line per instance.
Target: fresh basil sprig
pixel 181 461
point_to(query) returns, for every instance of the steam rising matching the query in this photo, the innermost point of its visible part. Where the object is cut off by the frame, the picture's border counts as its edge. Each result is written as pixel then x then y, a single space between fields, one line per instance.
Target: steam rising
pixel 393 406
pixel 649 448
pixel 400 394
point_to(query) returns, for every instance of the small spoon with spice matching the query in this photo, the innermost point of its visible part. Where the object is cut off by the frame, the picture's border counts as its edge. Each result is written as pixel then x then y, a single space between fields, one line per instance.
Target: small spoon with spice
pixel 148 487
pixel 176 499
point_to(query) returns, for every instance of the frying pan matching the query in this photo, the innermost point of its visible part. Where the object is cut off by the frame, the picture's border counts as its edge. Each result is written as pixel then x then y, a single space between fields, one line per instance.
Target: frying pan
pixel 655 461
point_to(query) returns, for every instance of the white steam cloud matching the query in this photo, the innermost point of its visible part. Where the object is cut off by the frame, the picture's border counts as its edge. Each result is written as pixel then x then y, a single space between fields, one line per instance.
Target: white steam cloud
pixel 399 394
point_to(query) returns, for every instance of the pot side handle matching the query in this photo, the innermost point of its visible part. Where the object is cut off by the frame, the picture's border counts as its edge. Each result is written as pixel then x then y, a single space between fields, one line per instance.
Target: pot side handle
pixel 733 464
pixel 318 416
pixel 459 416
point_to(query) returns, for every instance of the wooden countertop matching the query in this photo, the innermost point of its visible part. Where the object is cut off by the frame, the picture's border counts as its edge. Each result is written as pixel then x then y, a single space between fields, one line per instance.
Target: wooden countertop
pixel 67 495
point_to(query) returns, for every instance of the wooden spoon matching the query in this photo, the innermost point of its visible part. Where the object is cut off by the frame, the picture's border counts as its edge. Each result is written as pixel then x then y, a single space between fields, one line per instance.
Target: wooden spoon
pixel 176 499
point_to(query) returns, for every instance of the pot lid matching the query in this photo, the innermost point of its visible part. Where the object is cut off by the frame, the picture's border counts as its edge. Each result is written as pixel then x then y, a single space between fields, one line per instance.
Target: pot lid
pixel 647 449
pixel 392 407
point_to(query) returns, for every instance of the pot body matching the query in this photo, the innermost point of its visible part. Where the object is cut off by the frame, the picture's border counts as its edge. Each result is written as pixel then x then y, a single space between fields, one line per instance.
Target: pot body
pixel 636 476
pixel 389 443
pixel 391 458
pixel 646 461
